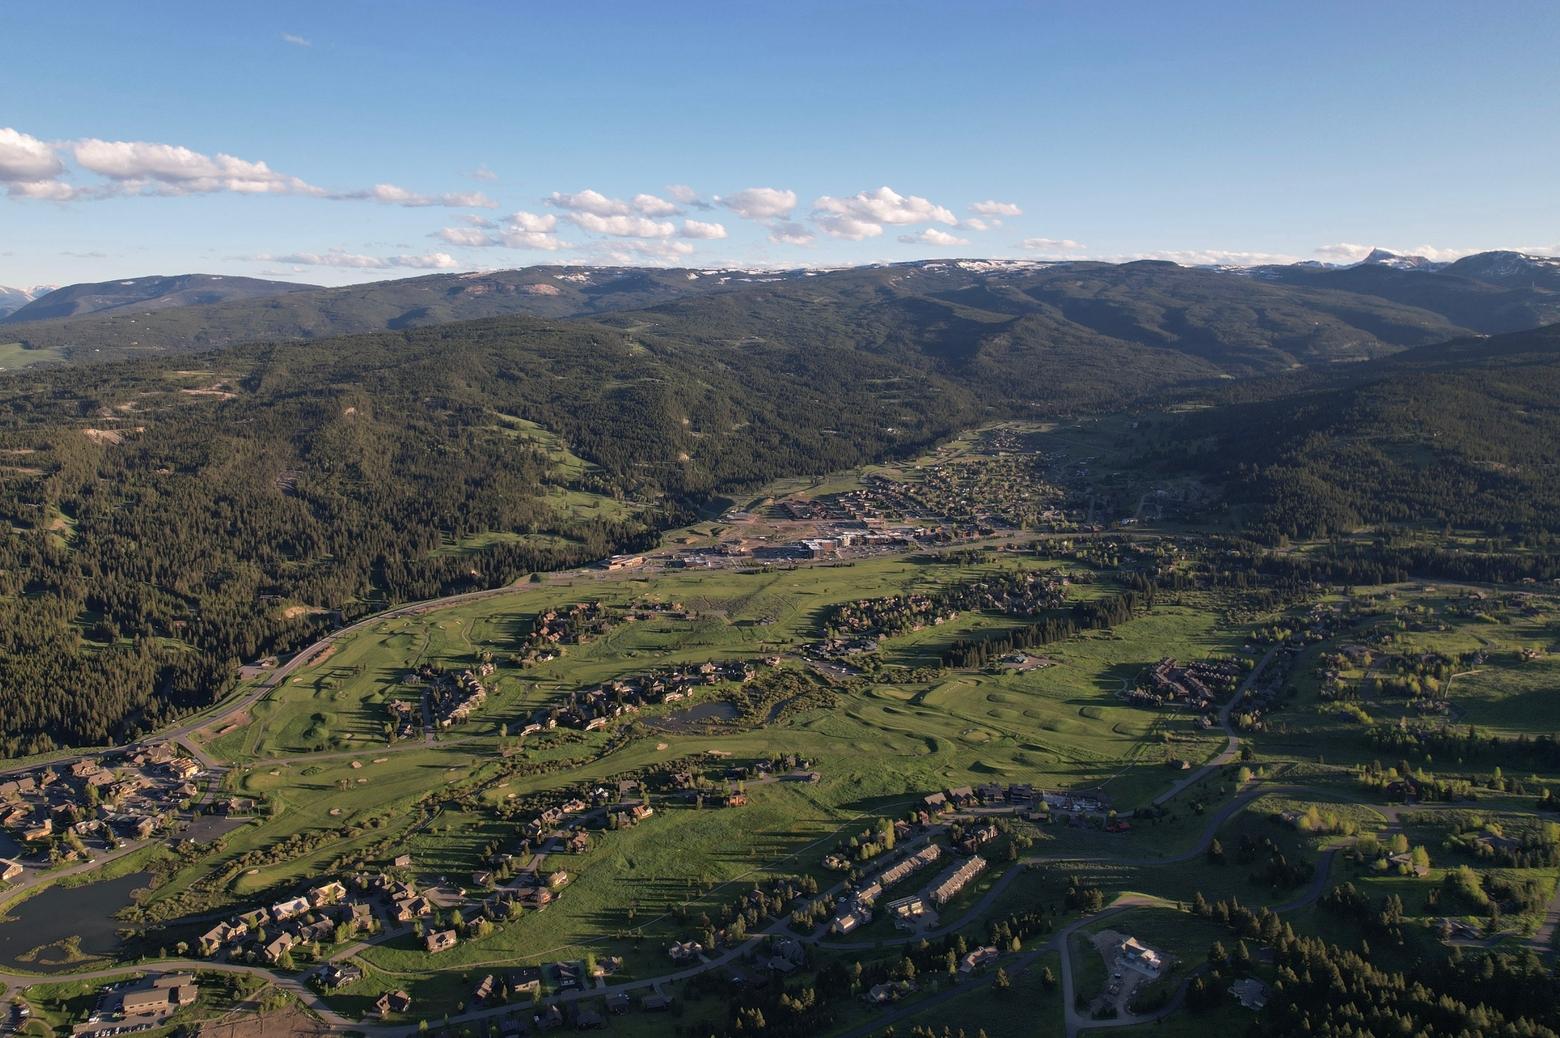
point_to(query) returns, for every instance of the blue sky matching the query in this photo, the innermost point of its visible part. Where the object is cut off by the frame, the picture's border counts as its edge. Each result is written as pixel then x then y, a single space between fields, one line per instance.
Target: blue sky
pixel 343 141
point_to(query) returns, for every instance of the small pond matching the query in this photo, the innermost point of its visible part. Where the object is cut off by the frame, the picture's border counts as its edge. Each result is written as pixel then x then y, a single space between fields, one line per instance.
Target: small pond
pixel 37 933
pixel 693 717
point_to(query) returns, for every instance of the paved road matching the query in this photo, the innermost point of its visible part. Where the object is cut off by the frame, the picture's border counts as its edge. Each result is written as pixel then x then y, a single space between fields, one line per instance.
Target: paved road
pixel 1232 746
pixel 40 878
pixel 1543 939
pixel 293 985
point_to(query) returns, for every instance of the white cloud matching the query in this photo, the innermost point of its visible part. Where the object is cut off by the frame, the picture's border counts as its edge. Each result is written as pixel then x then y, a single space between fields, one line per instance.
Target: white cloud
pixel 624 226
pixel 759 203
pixel 994 208
pixel 393 194
pixel 469 236
pixel 975 223
pixel 933 236
pixel 296 40
pixel 534 222
pixel 143 167
pixel 635 253
pixel 483 173
pixel 431 261
pixel 847 227
pixel 515 238
pixel 51 190
pixel 699 229
pixel 357 261
pixel 594 211
pixel 588 201
pixel 522 230
pixel 1343 252
pixel 863 215
pixel 1206 257
pixel 1348 252
pixel 650 205
pixel 885 205
pixel 30 168
pixel 26 159
pixel 790 234
pixel 682 194
pixel 1052 245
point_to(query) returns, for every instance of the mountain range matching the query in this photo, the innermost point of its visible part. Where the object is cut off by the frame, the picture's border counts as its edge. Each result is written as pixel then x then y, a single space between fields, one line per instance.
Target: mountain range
pixel 1240 320
pixel 13 299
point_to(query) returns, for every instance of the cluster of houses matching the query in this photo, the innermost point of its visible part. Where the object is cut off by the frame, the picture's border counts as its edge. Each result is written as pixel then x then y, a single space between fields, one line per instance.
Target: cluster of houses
pixel 955 879
pixel 589 709
pixel 309 918
pixel 880 504
pixel 1038 805
pixel 1012 594
pixel 855 910
pixel 834 650
pixel 526 981
pixel 124 795
pixel 454 699
pixel 405 718
pixel 977 836
pixel 1195 686
pixel 1018 797
pixel 531 889
pixel 555 628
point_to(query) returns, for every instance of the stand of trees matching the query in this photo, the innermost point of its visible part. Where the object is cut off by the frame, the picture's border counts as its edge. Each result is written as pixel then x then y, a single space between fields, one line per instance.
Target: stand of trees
pixel 1084 616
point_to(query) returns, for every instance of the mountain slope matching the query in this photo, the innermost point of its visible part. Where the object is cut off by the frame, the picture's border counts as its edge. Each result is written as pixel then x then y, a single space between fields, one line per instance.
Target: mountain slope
pixel 1462 433
pixel 313 313
pixel 1489 293
pixel 13 299
pixel 146 294
pixel 1162 322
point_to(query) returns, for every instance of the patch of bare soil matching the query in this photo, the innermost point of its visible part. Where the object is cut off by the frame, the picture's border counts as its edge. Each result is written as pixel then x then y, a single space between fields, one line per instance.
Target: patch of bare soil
pixel 219 391
pixel 288 1023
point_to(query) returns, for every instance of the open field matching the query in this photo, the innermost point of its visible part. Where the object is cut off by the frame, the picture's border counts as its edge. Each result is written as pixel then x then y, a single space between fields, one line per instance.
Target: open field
pixel 14 356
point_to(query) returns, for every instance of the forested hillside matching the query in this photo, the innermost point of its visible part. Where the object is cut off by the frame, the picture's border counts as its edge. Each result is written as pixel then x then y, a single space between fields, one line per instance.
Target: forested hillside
pixel 170 521
pixel 1461 434
pixel 312 313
